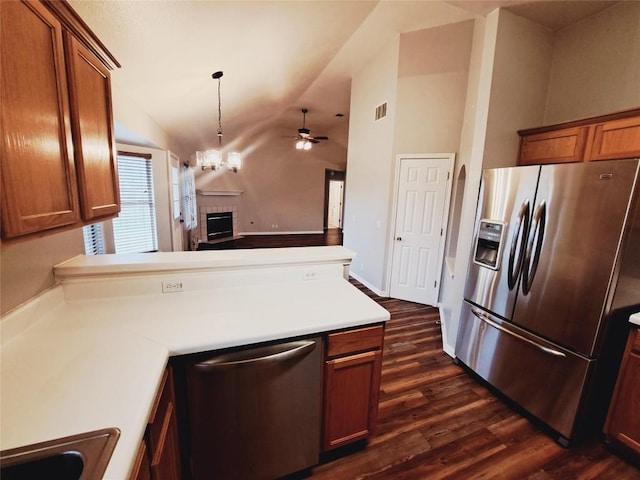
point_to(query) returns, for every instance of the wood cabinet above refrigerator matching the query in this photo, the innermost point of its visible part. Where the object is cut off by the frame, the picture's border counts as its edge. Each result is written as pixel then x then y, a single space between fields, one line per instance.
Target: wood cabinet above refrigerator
pixel 607 137
pixel 58 146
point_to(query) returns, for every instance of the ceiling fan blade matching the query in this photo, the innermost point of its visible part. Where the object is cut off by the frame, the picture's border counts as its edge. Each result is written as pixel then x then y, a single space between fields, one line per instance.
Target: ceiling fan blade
pixel 321 138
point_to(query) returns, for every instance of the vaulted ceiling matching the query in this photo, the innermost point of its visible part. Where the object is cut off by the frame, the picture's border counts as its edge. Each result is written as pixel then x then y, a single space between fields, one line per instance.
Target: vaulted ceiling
pixel 277 56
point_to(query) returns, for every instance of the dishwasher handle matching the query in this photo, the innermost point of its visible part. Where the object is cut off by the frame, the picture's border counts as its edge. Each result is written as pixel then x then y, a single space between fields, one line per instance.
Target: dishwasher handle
pixel 258 356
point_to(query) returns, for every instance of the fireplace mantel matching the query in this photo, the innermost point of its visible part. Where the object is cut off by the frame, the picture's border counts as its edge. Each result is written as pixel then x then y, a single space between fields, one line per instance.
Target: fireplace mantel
pixel 222 193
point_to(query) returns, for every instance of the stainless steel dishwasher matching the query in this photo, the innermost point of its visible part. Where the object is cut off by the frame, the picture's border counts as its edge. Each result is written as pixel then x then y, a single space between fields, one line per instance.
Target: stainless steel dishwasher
pixel 255 413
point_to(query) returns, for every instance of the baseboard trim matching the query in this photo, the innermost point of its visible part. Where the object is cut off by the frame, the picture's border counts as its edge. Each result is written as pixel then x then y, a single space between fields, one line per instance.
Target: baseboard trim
pixel 310 232
pixel 368 285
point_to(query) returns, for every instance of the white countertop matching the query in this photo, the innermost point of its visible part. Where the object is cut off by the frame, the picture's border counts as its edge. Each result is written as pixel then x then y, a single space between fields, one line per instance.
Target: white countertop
pixel 71 365
pixel 137 263
pixel 635 319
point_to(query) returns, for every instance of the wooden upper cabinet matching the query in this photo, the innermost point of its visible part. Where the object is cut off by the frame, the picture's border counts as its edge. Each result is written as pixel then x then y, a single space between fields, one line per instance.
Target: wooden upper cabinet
pixel 57 163
pixel 39 189
pixel 607 137
pixel 94 142
pixel 558 146
pixel 616 139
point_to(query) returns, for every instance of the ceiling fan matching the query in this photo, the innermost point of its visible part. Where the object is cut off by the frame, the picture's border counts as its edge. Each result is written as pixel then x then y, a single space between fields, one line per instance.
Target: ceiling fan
pixel 304 138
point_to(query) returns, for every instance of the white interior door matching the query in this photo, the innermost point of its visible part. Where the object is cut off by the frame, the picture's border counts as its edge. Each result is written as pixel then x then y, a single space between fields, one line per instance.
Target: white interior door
pixel 423 188
pixel 174 198
pixel 336 194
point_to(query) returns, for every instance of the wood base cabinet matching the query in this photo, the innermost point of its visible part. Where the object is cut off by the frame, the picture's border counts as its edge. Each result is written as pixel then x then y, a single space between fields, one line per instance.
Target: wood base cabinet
pixel 622 427
pixel 159 456
pixel 352 371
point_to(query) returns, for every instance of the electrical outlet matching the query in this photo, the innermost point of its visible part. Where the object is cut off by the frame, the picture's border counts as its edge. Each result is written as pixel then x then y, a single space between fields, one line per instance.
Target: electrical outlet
pixel 170 286
pixel 309 275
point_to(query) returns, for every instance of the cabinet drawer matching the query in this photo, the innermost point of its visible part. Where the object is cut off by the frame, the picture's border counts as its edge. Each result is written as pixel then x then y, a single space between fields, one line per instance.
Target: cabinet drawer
pixel 353 341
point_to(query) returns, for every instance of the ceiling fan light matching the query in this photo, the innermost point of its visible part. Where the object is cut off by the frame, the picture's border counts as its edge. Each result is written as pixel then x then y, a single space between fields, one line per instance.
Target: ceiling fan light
pixel 300 144
pixel 307 145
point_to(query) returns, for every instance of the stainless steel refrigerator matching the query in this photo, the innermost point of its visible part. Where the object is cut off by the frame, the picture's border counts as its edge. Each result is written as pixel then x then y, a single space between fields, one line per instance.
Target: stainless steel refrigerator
pixel 556 253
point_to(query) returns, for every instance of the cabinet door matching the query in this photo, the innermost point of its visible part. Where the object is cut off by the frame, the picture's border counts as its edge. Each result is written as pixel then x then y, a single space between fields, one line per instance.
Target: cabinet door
pixel 162 433
pixel 39 189
pixel 92 122
pixel 141 468
pixel 616 139
pixel 558 146
pixel 352 387
pixel 623 422
pixel 166 461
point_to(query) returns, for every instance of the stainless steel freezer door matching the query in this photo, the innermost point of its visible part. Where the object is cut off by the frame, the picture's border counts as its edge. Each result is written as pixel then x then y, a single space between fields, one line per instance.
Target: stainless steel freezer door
pixel 586 207
pixel 506 196
pixel 543 378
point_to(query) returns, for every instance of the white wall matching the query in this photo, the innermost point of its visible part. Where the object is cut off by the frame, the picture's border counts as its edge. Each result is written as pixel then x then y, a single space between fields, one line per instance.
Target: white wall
pixel 596 65
pixel 521 67
pixel 472 144
pixel 432 87
pixel 370 166
pixel 280 185
pixel 426 95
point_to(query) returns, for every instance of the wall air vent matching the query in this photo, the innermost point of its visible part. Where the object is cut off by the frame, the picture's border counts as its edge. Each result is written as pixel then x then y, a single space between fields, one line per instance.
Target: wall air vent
pixel 381 111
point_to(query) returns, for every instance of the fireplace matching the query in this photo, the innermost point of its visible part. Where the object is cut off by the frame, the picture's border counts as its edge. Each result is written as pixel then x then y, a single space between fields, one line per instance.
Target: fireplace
pixel 219 225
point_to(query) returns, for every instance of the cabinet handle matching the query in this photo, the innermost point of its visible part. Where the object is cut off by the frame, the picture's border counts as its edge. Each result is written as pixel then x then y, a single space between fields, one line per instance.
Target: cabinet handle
pixel 263 355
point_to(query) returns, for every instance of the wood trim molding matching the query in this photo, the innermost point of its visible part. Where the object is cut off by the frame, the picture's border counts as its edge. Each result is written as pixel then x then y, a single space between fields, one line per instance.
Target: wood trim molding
pixel 124 153
pixel 582 122
pixel 72 22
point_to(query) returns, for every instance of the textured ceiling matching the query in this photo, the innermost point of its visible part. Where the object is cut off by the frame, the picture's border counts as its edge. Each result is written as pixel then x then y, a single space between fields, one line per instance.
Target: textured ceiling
pixel 277 56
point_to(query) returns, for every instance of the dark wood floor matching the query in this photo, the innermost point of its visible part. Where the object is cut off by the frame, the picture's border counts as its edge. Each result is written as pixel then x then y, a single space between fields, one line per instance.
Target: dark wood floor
pixel 436 422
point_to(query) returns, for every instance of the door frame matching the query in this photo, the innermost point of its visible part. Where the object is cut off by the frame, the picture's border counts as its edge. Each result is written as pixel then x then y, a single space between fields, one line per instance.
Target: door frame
pixel 328 176
pixel 177 230
pixel 394 213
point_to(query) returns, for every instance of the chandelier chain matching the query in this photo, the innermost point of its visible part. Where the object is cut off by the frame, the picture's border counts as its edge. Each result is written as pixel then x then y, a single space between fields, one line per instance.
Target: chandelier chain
pixel 219 117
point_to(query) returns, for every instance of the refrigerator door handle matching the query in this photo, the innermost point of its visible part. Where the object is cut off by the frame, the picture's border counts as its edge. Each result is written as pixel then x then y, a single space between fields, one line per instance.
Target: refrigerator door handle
pixel 485 318
pixel 522 226
pixel 534 247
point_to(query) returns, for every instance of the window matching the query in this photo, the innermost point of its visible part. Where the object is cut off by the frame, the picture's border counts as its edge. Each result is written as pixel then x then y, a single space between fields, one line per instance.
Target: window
pixel 93 239
pixel 135 228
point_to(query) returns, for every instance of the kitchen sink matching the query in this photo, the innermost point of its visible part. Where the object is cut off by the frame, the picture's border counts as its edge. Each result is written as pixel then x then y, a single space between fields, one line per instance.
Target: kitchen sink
pixel 79 457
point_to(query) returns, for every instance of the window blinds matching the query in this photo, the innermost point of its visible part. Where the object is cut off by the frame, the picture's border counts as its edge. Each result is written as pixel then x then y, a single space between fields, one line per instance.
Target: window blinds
pixel 93 239
pixel 135 228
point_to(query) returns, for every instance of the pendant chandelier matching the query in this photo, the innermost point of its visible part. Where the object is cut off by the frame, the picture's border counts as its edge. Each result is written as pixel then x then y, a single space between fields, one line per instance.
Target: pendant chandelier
pixel 212 159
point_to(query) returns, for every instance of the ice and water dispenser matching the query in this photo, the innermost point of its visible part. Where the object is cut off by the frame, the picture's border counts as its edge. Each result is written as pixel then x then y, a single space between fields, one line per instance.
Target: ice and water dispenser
pixel 489 244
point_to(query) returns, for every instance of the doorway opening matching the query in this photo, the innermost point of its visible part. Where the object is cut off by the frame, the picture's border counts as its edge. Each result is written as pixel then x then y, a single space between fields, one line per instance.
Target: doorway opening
pixel 333 199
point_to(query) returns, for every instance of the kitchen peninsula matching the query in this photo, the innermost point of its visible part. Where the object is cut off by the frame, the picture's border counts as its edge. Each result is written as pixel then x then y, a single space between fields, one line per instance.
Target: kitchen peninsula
pixel 91 352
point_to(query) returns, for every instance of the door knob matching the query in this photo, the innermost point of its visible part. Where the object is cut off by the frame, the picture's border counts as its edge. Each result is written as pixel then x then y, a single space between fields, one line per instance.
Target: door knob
pixel 398 239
